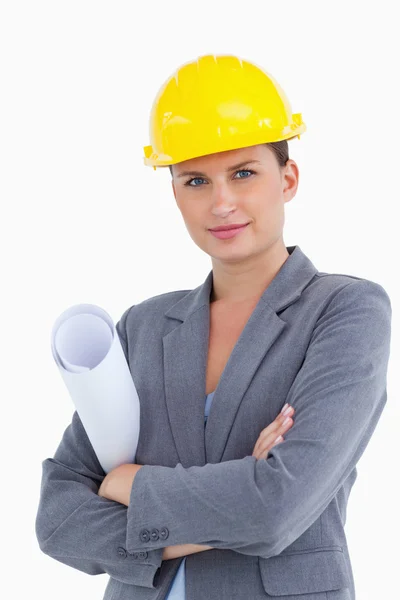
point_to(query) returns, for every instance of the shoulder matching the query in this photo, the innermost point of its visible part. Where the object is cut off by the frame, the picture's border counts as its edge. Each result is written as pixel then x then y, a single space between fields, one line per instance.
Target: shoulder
pixel 339 301
pixel 329 285
pixel 351 306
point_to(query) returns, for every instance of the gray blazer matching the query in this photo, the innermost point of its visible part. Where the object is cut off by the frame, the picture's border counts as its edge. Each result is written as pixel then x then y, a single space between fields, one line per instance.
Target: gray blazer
pixel 320 341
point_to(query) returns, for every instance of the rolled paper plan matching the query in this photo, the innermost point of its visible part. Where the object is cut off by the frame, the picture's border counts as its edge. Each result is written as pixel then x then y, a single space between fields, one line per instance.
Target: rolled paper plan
pixel 88 352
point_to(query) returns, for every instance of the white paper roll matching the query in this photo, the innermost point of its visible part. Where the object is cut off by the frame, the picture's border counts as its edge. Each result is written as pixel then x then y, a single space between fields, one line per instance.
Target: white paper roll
pixel 90 358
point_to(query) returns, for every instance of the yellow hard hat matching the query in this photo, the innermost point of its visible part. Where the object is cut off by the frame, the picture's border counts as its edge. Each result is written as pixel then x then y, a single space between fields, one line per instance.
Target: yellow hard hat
pixel 217 103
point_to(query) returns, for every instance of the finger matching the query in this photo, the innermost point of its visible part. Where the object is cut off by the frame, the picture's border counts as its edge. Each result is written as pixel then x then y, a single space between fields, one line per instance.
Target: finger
pixel 270 433
pixel 263 450
pixel 264 454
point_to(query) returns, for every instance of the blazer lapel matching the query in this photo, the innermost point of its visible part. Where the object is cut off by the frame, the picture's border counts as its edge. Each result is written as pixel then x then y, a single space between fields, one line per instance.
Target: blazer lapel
pixel 185 351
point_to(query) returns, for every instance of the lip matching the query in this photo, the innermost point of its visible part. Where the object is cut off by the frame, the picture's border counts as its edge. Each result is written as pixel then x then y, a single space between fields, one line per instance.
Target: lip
pixel 227 227
pixel 225 234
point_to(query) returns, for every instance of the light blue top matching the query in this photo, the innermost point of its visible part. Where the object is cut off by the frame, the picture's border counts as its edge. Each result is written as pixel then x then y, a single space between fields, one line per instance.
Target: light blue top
pixel 177 590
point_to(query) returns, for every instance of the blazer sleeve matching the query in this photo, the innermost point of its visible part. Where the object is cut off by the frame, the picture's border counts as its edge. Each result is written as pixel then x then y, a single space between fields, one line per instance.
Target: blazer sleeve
pixel 260 507
pixel 75 525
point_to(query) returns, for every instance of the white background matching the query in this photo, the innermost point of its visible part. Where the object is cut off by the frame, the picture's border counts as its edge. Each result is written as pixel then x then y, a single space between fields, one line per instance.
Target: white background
pixel 83 220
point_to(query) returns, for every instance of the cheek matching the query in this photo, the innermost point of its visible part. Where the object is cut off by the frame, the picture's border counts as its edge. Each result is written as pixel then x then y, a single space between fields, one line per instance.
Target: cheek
pixel 194 218
pixel 265 210
pixel 192 215
pixel 192 209
pixel 268 198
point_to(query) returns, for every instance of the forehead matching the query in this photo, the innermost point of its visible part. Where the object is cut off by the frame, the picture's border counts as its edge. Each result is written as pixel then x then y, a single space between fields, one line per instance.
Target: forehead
pixel 221 161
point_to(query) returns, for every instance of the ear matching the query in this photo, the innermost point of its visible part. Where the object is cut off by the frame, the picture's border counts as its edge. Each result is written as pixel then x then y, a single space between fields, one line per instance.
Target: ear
pixel 291 178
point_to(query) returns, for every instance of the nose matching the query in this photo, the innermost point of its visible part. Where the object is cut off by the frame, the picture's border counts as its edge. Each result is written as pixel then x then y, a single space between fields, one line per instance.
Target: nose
pixel 223 200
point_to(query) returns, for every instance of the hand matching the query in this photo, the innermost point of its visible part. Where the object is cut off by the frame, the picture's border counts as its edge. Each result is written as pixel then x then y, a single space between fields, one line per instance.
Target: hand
pixel 267 437
pixel 117 484
pixel 102 489
pixel 179 550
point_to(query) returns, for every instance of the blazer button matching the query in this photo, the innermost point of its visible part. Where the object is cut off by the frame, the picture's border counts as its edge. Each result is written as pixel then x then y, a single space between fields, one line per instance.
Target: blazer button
pixel 144 535
pixel 143 554
pixel 154 534
pixel 164 533
pixel 122 552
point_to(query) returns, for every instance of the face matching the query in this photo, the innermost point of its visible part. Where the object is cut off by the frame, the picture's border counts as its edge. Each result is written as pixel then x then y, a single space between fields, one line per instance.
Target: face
pixel 245 185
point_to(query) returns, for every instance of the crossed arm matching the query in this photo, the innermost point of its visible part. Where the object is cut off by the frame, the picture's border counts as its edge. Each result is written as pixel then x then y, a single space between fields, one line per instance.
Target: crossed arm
pixel 117 485
pixel 338 394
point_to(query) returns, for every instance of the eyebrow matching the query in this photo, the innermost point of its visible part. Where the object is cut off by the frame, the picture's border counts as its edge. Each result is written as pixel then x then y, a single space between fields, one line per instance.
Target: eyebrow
pixel 227 170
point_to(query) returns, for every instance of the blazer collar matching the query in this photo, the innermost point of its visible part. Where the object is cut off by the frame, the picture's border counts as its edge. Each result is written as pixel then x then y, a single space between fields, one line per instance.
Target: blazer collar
pixel 185 350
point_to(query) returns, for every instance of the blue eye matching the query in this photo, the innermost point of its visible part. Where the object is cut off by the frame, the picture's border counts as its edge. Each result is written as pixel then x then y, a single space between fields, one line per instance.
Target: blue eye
pixel 188 183
pixel 244 171
pixel 194 179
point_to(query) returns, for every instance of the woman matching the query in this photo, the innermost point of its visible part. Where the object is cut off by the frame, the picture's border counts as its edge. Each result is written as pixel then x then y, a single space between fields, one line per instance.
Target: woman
pixel 217 506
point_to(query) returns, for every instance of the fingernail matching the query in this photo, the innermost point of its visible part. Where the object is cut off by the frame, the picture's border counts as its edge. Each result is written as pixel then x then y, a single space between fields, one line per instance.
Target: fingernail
pixel 284 407
pixel 278 439
pixel 287 410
